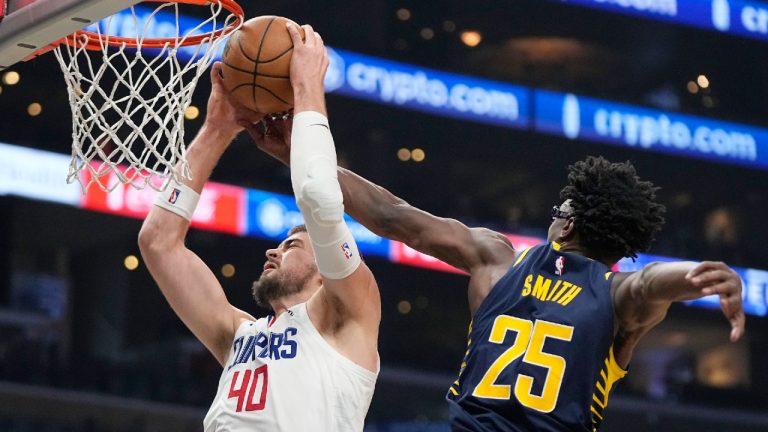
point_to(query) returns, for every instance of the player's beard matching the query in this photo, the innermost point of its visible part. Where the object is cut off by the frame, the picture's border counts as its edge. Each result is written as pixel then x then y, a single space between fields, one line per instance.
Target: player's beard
pixel 277 284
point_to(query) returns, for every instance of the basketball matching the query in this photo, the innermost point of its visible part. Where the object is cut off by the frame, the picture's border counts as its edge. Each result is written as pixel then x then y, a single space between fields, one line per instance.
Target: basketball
pixel 256 64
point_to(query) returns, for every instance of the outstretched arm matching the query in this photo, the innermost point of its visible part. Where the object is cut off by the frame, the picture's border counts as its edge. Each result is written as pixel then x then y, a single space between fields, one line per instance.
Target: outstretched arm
pixel 641 299
pixel 390 216
pixel 349 290
pixel 446 239
pixel 186 282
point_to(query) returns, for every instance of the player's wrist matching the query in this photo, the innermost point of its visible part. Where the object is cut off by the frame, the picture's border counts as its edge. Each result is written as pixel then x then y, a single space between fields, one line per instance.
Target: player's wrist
pixel 219 133
pixel 308 91
pixel 309 102
pixel 179 199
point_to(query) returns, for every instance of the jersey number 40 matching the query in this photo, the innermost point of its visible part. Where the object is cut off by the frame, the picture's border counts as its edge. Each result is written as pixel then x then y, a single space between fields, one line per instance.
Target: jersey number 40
pixel 530 344
pixel 251 394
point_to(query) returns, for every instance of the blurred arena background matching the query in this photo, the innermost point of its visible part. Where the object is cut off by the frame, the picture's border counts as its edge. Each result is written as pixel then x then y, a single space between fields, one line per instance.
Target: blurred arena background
pixel 470 110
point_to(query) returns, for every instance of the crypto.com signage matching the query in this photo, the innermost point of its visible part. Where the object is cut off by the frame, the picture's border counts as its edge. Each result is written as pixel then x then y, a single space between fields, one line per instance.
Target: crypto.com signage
pixel 578 117
pixel 501 104
pixel 40 175
pixel 737 17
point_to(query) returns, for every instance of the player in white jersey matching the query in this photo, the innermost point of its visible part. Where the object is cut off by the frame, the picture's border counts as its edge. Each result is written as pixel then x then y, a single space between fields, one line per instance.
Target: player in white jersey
pixel 313 365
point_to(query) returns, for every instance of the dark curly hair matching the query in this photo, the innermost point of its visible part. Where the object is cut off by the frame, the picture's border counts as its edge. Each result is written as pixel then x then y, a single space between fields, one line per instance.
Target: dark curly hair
pixel 614 212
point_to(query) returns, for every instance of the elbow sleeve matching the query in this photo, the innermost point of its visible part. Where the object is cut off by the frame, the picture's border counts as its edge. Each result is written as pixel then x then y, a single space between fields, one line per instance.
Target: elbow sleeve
pixel 318 194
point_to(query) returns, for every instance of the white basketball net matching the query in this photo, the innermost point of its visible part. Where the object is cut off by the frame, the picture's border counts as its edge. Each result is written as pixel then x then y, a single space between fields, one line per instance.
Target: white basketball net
pixel 128 104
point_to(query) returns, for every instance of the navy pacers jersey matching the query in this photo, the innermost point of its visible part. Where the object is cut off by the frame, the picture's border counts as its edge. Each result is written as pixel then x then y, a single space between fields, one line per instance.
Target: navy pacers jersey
pixel 539 356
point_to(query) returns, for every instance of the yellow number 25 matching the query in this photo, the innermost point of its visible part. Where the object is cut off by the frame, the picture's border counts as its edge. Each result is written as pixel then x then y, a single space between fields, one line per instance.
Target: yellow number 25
pixel 530 344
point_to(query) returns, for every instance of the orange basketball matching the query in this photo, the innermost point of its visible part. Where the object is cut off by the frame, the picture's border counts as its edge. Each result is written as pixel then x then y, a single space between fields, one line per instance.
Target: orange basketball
pixel 256 64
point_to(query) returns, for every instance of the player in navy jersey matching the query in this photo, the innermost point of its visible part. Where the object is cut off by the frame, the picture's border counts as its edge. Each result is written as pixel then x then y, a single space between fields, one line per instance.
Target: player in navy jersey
pixel 552 327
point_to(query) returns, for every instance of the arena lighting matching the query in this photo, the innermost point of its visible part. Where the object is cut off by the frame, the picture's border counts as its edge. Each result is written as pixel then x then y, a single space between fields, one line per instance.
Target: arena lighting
pixel 449 26
pixel 703 81
pixel 404 154
pixel 192 112
pixel 403 14
pixel 34 109
pixel 400 44
pixel 404 307
pixel 131 262
pixel 11 78
pixel 227 270
pixel 418 155
pixel 693 88
pixel 427 33
pixel 471 38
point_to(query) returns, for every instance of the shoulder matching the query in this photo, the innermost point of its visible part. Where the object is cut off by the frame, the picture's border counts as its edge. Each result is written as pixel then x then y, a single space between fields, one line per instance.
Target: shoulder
pixel 618 278
pixel 493 247
pixel 244 321
pixel 624 290
pixel 495 256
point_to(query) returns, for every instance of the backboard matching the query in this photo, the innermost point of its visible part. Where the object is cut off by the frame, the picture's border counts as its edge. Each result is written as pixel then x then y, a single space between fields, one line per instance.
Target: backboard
pixel 30 25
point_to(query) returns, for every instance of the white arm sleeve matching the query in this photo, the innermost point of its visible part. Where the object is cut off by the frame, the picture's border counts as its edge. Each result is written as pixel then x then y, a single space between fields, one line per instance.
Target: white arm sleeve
pixel 318 194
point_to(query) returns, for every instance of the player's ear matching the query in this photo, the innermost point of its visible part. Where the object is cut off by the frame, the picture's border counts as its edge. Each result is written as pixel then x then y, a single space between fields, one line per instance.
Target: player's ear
pixel 568 231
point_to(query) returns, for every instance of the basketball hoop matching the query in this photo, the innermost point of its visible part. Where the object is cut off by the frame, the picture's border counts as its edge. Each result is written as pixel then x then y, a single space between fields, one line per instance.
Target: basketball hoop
pixel 129 90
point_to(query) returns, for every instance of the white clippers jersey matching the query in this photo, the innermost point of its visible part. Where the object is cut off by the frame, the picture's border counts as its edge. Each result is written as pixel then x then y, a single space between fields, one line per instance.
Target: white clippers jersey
pixel 286 377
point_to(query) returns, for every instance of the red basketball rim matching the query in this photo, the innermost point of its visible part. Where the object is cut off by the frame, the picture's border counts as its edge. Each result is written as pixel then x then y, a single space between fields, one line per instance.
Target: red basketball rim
pixel 96 41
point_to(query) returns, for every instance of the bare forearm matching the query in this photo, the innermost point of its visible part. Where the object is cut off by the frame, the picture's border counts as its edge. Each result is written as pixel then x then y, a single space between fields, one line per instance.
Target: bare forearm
pixel 667 282
pixel 309 99
pixel 309 63
pixel 641 299
pixel 163 228
pixel 370 204
pixel 204 153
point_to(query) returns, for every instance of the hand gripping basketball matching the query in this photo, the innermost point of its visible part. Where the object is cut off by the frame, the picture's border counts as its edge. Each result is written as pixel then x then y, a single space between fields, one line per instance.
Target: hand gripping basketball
pixel 256 65
pixel 273 136
pixel 310 59
pixel 225 113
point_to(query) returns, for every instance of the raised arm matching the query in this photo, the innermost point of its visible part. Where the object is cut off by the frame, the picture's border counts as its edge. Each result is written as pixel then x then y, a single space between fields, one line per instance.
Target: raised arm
pixel 641 299
pixel 483 253
pixel 390 216
pixel 446 239
pixel 187 283
pixel 349 293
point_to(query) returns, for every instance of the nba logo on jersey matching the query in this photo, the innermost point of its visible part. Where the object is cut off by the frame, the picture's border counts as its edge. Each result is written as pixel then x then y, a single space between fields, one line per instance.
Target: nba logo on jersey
pixel 560 266
pixel 174 196
pixel 347 251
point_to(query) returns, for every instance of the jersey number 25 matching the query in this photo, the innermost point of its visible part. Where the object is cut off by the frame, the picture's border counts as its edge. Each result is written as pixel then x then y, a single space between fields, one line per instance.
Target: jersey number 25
pixel 530 344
